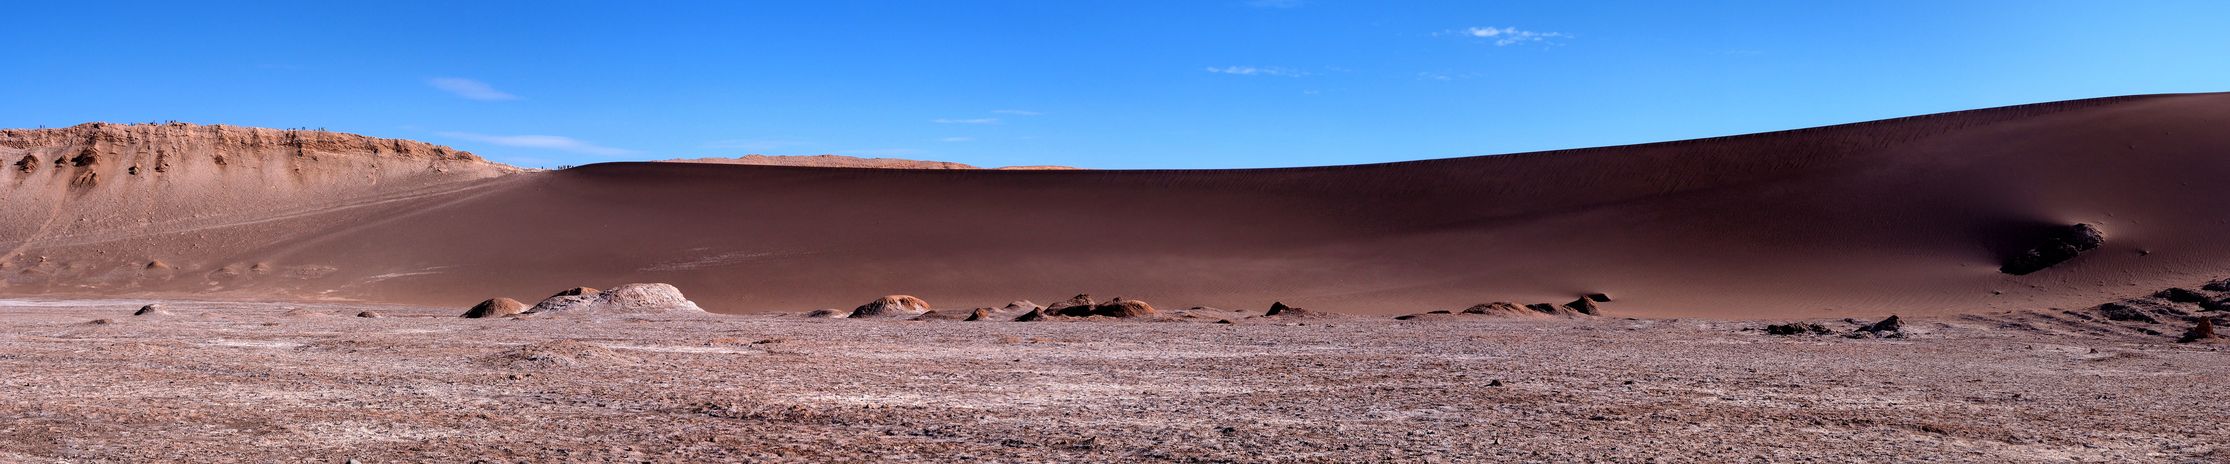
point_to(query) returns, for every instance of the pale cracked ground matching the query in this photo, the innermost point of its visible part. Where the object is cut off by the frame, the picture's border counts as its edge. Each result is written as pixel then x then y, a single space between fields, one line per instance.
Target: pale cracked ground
pixel 221 382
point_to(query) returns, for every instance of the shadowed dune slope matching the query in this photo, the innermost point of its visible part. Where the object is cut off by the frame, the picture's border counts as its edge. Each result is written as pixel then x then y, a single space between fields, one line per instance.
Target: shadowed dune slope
pixel 1910 215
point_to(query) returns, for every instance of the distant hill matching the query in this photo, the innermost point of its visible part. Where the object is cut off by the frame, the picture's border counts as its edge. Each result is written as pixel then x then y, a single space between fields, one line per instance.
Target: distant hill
pixel 840 161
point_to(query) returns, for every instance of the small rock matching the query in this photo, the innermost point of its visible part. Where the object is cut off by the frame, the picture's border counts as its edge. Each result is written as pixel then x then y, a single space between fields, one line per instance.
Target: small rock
pixel 2205 329
pixel 2057 247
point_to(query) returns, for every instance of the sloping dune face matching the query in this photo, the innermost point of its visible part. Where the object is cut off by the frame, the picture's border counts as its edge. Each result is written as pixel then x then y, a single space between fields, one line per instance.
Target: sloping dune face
pixel 116 208
pixel 1911 216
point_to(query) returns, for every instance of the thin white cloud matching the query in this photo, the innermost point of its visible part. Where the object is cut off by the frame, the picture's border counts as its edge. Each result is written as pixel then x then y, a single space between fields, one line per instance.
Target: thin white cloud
pixel 1275 3
pixel 470 89
pixel 957 139
pixel 548 142
pixel 1017 112
pixel 978 121
pixel 1255 71
pixel 1505 36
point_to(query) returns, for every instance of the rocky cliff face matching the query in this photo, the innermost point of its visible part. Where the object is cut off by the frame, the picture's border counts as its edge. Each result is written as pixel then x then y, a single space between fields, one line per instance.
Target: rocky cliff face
pixel 78 201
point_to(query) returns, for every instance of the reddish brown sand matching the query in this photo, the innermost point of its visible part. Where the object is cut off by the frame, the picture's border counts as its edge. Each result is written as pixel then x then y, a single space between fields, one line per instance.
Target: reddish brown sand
pixel 1909 216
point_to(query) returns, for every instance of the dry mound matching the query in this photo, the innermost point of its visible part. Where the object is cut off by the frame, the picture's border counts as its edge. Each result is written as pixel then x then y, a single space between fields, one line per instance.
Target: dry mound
pixel 892 306
pixel 1279 309
pixel 1083 306
pixel 558 353
pixel 1506 309
pixel 650 298
pixel 495 307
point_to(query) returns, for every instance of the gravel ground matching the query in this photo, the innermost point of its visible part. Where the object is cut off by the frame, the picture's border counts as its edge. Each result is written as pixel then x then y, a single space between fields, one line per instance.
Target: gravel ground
pixel 272 382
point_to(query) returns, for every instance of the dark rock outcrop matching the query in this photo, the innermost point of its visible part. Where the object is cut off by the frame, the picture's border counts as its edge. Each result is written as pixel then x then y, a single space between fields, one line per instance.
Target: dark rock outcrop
pixel 1279 309
pixel 1892 324
pixel 2057 247
pixel 980 314
pixel 1583 306
pixel 2204 330
pixel 2181 295
pixel 1033 316
pixel 2126 313
pixel 151 310
pixel 1797 328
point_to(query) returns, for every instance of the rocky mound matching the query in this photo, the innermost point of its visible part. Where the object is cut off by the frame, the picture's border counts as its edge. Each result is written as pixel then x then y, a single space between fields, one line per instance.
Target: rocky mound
pixel 151 310
pixel 2202 331
pixel 892 306
pixel 495 307
pixel 1082 305
pixel 644 298
pixel 1279 309
pixel 1507 309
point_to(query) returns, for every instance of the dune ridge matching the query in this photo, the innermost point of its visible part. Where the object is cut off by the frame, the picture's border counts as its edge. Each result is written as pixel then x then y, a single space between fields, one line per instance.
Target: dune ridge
pixel 1909 215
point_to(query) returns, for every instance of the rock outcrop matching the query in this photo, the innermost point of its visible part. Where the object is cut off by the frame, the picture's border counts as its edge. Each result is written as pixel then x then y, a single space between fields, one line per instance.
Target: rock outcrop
pixel 2056 247
pixel 151 310
pixel 2204 330
pixel 495 307
pixel 644 298
pixel 892 306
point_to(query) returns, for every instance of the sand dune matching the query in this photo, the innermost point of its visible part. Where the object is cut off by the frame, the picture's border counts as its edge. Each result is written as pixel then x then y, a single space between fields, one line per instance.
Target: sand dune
pixel 1910 215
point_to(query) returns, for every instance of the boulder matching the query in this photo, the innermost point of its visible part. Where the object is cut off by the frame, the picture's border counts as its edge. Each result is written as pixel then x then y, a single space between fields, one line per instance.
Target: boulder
pixel 496 307
pixel 2204 330
pixel 369 315
pixel 892 306
pixel 2057 246
pixel 151 310
pixel 648 298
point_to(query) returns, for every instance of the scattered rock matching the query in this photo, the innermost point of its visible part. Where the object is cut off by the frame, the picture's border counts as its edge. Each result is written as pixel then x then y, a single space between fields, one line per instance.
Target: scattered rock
pixel 2204 330
pixel 2059 246
pixel 2181 295
pixel 497 307
pixel 892 306
pixel 151 310
pixel 1797 328
pixel 2124 312
pixel 647 298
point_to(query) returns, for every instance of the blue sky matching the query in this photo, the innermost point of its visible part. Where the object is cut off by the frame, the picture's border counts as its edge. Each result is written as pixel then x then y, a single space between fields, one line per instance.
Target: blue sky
pixel 1106 84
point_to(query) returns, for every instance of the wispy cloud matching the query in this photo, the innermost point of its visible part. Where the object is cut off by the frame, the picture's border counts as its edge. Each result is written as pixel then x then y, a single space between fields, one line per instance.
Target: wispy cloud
pixel 1276 3
pixel 1504 36
pixel 470 89
pixel 977 121
pixel 1256 71
pixel 549 142
pixel 1017 112
pixel 957 139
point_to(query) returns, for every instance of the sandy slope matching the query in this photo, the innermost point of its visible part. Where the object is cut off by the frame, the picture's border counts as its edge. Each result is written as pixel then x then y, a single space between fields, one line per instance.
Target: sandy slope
pixel 1909 215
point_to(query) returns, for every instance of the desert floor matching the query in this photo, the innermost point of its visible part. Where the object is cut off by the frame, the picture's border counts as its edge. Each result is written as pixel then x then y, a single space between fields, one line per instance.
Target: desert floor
pixel 270 382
